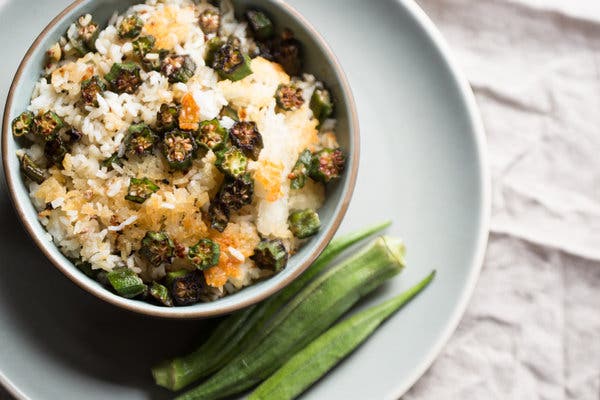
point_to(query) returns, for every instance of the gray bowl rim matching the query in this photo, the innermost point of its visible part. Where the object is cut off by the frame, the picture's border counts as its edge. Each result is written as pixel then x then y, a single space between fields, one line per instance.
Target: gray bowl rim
pixel 189 312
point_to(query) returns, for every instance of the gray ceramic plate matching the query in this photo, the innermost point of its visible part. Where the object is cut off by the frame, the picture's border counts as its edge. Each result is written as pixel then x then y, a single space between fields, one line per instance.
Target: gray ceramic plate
pixel 423 165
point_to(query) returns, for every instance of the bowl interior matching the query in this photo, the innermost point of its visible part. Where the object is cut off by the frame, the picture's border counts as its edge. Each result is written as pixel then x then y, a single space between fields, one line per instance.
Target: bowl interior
pixel 317 60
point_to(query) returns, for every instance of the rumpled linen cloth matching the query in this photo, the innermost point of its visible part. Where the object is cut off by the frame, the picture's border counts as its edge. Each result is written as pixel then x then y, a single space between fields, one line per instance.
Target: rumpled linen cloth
pixel 532 329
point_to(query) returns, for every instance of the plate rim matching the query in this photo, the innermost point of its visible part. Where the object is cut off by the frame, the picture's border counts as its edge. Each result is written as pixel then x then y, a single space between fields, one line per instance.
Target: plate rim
pixel 478 132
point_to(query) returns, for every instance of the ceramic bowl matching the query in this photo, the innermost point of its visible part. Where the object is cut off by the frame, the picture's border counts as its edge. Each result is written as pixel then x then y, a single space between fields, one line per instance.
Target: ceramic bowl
pixel 318 60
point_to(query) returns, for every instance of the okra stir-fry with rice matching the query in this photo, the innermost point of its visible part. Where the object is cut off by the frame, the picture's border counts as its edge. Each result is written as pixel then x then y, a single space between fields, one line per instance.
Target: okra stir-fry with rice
pixel 179 154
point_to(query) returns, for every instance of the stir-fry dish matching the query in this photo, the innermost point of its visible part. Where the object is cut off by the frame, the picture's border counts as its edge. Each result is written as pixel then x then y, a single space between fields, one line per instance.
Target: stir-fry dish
pixel 178 153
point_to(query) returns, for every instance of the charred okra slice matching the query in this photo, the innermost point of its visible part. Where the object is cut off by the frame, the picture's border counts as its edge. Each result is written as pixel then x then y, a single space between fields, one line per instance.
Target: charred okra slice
pixel 74 135
pixel 327 164
pixel 235 193
pixel 245 136
pixel 321 104
pixel 212 47
pixel 161 294
pixel 90 88
pixel 212 135
pixel 113 159
pixel 124 77
pixel 230 63
pixel 140 140
pixel 126 282
pixel 178 68
pixel 270 254
pixel 288 53
pixel 23 124
pixel 298 174
pixel 167 117
pixel 83 37
pixel 289 97
pixel 204 254
pixel 261 25
pixel 157 248
pixel 229 112
pixel 140 190
pixel 304 223
pixel 231 161
pixel 186 287
pixel 209 21
pixel 55 151
pixel 153 61
pixel 143 45
pixel 178 147
pixel 130 27
pixel 86 268
pixel 47 125
pixel 32 170
pixel 219 215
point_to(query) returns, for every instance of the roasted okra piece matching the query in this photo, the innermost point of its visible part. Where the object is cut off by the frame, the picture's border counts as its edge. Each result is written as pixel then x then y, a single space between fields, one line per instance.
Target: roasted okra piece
pixel 90 88
pixel 124 77
pixel 23 124
pixel 230 63
pixel 204 254
pixel 86 268
pixel 74 135
pixel 113 159
pixel 140 140
pixel 140 190
pixel 231 161
pixel 32 170
pixel 261 25
pixel 212 47
pixel 289 97
pixel 212 135
pixel 298 174
pixel 245 136
pixel 161 294
pixel 83 38
pixel 153 61
pixel 130 27
pixel 209 21
pixel 55 151
pixel 219 215
pixel 178 68
pixel 143 45
pixel 304 223
pixel 238 192
pixel 288 53
pixel 327 164
pixel 321 104
pixel 157 248
pixel 47 125
pixel 235 193
pixel 270 254
pixel 167 117
pixel 178 147
pixel 126 282
pixel 186 287
pixel 229 112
